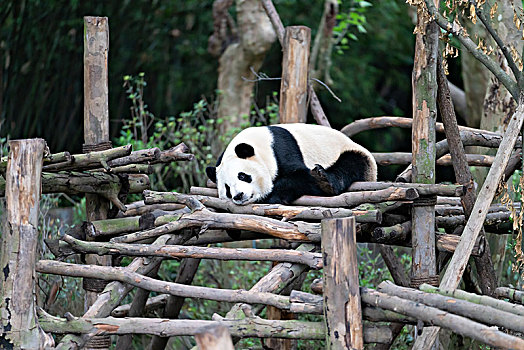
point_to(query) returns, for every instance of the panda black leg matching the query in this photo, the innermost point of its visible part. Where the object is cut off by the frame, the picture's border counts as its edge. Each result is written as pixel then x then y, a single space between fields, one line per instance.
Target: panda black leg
pixel 321 177
pixel 350 167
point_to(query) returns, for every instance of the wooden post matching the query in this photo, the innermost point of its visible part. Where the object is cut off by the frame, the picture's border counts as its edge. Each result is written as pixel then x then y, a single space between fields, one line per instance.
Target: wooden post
pixel 214 338
pixel 96 138
pixel 295 68
pixel 342 309
pixel 20 329
pixel 424 82
pixel 485 270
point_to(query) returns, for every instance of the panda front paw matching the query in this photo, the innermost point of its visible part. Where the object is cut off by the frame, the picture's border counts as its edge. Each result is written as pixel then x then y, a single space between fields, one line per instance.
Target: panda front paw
pixel 321 178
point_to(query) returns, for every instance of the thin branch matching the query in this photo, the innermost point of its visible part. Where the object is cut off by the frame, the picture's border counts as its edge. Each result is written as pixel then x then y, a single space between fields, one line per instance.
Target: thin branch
pixel 511 63
pixel 487 61
pixel 328 89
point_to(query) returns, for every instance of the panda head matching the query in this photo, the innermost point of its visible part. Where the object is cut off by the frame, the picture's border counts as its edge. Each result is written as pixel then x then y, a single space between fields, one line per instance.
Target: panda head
pixel 243 178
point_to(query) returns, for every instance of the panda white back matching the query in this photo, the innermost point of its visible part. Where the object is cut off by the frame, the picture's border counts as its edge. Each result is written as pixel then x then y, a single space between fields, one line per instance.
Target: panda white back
pixel 321 144
pixel 279 163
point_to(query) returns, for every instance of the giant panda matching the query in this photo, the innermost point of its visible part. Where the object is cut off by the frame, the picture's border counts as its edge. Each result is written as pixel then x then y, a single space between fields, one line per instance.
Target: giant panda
pixel 280 163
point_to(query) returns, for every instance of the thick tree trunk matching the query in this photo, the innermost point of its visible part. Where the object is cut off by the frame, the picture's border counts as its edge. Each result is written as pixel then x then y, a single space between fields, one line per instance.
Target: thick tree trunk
pixel 20 329
pixel 255 36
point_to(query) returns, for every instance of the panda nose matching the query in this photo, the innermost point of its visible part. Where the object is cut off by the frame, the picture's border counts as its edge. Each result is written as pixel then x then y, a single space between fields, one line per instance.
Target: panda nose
pixel 238 196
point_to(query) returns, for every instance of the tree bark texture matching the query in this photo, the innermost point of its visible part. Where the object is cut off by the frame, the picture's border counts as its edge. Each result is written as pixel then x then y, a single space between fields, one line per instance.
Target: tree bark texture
pixel 499 105
pixel 480 313
pixel 123 275
pixel 431 315
pixel 460 258
pixel 320 61
pixel 255 36
pixel 96 129
pixel 295 75
pixel 313 260
pixel 279 210
pixel 477 299
pixel 245 328
pixel 316 108
pixel 487 276
pixel 402 158
pixel 342 309
pixel 204 218
pixel 424 85
pixel 365 124
pixel 20 328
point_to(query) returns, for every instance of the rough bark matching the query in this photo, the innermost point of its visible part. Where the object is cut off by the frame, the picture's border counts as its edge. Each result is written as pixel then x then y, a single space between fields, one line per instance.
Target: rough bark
pixel 320 62
pixel 316 108
pixel 511 294
pixel 361 125
pixel 423 147
pixel 96 127
pixel 284 211
pixel 487 276
pixel 112 295
pixel 350 199
pixel 123 275
pixel 280 276
pixel 245 328
pixel 204 218
pixel 295 75
pixel 255 36
pixel 91 160
pixel 402 158
pixel 20 328
pixel 342 309
pixel 422 189
pixel 313 260
pixel 483 314
pixel 431 315
pixel 499 104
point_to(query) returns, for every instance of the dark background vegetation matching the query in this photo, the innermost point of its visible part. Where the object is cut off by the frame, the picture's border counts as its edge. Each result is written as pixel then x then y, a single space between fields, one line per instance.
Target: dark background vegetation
pixel 41 50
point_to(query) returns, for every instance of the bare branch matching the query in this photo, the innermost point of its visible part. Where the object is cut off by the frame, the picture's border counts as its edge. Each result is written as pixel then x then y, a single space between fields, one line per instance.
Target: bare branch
pixel 487 61
pixel 511 63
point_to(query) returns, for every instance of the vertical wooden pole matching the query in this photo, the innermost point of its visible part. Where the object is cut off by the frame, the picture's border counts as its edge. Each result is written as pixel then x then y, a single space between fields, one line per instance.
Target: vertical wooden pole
pixel 20 328
pixel 342 309
pixel 214 338
pixel 424 83
pixel 96 137
pixel 295 68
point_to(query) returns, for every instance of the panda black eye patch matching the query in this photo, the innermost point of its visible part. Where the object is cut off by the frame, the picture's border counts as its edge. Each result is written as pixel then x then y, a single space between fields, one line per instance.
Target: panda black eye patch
pixel 228 192
pixel 244 177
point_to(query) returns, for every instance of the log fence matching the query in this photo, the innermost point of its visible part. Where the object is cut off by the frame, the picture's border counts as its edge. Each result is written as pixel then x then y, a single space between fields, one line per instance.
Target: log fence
pixel 321 234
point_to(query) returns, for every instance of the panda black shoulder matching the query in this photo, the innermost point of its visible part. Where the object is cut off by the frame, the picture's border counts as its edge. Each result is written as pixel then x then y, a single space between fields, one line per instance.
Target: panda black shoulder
pixel 286 151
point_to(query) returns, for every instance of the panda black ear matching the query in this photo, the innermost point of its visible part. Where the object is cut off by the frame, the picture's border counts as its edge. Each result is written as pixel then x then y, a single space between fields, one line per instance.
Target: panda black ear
pixel 243 150
pixel 211 172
